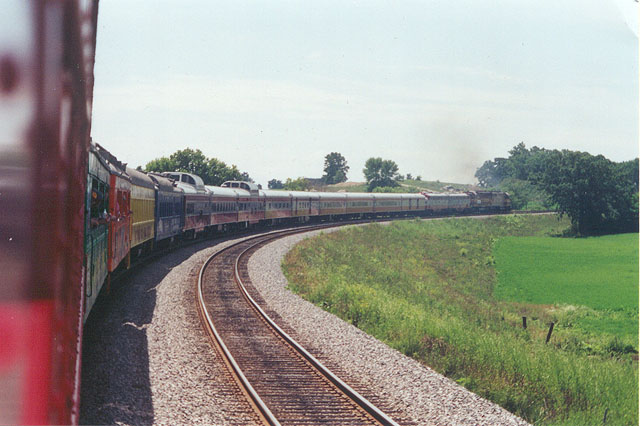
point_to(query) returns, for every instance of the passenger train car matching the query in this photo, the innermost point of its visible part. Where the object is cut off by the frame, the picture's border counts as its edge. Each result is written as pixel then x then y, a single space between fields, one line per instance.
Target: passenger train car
pixel 72 214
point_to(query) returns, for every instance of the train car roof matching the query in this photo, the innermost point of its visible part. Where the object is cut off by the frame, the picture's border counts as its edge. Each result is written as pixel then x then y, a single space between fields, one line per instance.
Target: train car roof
pixel 440 195
pixel 239 184
pixel 140 178
pixel 190 189
pixel 184 177
pixel 305 194
pixel 93 150
pixel 387 195
pixel 116 167
pixel 412 196
pixel 359 195
pixel 332 195
pixel 164 184
pixel 219 191
pixel 190 183
pixel 274 193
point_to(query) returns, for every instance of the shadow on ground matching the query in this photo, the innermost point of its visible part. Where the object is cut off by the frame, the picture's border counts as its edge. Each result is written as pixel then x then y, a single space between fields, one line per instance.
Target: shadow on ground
pixel 116 386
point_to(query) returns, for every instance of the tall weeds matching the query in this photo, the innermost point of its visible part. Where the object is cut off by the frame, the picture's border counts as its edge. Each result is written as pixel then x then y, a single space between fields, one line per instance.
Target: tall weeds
pixel 425 288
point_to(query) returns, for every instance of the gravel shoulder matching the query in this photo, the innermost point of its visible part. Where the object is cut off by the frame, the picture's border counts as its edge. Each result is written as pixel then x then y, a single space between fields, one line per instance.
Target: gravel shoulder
pixel 146 357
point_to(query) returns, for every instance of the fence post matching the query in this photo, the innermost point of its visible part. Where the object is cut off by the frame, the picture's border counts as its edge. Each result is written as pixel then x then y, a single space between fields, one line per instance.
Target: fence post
pixel 549 334
pixel 524 322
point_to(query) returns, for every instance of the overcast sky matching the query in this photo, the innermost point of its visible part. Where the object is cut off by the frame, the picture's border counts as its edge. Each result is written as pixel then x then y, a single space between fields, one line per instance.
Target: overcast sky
pixel 437 86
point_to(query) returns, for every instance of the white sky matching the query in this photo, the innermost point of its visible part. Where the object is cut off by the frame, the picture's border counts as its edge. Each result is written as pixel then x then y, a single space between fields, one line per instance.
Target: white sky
pixel 437 86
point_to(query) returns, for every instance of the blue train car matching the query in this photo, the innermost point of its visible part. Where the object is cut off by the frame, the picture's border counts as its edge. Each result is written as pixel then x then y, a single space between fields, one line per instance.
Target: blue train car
pixel 169 208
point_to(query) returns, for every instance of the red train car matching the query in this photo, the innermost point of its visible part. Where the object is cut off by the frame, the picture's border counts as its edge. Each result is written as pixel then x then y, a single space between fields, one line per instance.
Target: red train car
pixel 279 205
pixel 46 87
pixel 250 206
pixel 119 211
pixel 197 202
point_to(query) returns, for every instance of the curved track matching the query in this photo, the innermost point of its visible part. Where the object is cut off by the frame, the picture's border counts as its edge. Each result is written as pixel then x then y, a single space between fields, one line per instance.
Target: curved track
pixel 286 384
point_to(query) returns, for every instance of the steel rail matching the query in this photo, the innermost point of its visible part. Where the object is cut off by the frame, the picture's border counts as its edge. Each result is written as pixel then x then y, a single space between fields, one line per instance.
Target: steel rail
pixel 360 400
pixel 264 412
pixel 258 403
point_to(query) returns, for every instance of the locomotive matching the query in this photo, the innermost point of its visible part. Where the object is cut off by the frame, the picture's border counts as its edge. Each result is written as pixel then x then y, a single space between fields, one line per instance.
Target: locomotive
pixel 72 214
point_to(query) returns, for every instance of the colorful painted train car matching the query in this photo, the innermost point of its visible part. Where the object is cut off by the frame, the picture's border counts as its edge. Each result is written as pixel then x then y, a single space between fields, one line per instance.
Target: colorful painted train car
pixel 96 234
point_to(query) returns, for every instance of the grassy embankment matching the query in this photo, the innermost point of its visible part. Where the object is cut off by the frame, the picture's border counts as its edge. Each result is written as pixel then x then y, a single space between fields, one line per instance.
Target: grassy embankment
pixel 429 290
pixel 406 186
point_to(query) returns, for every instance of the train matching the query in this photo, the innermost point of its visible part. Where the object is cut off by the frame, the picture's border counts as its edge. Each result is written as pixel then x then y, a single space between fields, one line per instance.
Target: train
pixel 131 212
pixel 72 214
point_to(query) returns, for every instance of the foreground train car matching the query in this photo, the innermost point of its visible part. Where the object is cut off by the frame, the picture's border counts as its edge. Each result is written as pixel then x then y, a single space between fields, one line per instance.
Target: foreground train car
pixel 46 90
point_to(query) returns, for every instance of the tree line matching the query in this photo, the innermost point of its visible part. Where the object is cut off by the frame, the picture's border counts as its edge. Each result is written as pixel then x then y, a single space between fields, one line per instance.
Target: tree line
pixel 378 172
pixel 597 194
pixel 381 175
pixel 211 170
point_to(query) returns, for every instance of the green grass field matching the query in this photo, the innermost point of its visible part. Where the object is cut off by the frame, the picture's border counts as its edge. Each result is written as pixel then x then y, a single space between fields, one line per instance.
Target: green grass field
pixel 427 288
pixel 594 279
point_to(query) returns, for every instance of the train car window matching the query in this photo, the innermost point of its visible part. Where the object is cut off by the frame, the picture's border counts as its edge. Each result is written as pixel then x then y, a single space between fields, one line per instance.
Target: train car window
pixel 99 200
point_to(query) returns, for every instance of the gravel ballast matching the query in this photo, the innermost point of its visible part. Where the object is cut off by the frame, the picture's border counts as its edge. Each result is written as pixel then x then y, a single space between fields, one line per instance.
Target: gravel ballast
pixel 146 357
pixel 147 360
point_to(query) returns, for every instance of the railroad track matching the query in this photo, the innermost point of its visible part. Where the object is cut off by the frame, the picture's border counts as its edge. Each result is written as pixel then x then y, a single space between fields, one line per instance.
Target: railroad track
pixel 284 383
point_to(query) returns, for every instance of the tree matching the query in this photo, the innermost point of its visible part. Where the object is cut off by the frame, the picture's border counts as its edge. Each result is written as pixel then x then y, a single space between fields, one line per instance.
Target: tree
pixel 491 173
pixel 275 184
pixel 300 184
pixel 419 178
pixel 409 176
pixel 162 164
pixel 211 170
pixel 379 172
pixel 335 168
pixel 522 164
pixel 245 177
pixel 597 194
